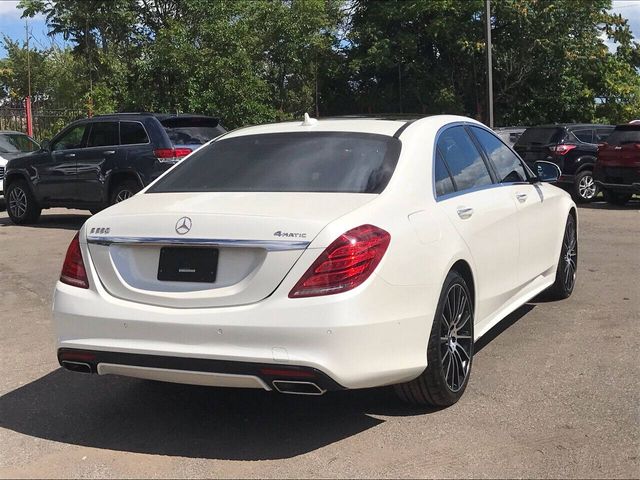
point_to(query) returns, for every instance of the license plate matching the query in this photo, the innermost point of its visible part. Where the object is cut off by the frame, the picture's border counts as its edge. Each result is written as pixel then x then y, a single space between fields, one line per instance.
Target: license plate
pixel 192 264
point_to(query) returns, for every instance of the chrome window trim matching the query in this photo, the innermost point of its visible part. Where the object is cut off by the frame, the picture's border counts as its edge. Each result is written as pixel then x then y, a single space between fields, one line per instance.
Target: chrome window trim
pixel 269 245
pixel 475 189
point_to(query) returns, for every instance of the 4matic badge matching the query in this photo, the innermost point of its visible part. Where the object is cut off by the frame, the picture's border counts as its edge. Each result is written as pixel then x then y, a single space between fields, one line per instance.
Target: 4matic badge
pixel 280 233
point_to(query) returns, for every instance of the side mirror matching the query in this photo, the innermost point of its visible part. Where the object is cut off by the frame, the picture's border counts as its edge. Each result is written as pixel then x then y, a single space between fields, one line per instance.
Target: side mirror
pixel 546 171
pixel 45 145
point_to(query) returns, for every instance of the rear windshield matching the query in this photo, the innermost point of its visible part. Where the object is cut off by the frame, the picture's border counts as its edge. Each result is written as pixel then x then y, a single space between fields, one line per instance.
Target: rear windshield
pixel 16 143
pixel 540 136
pixel 191 130
pixel 288 162
pixel 624 134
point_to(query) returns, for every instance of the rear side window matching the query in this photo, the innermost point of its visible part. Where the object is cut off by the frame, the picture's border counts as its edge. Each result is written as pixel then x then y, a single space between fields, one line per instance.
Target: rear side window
pixel 132 133
pixel 585 136
pixel 444 184
pixel 288 162
pixel 602 134
pixel 463 159
pixel 103 134
pixel 191 130
pixel 624 134
pixel 506 163
pixel 541 136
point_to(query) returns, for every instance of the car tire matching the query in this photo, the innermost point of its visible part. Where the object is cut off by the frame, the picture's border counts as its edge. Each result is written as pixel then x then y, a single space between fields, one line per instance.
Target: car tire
pixel 585 188
pixel 123 190
pixel 617 198
pixel 567 263
pixel 22 206
pixel 449 352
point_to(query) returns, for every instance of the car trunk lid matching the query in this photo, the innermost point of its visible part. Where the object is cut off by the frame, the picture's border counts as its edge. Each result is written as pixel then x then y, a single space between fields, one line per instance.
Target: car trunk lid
pixel 255 238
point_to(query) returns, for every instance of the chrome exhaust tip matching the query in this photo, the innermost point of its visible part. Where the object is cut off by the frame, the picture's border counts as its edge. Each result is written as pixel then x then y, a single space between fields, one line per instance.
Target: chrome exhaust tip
pixel 297 388
pixel 79 367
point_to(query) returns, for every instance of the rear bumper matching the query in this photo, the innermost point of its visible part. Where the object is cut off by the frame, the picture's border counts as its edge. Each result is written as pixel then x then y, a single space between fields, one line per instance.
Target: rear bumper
pixel 374 335
pixel 198 371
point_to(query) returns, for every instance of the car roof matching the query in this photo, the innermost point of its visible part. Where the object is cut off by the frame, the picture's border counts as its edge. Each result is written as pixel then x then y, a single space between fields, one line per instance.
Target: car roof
pixel 377 124
pixel 12 132
pixel 159 116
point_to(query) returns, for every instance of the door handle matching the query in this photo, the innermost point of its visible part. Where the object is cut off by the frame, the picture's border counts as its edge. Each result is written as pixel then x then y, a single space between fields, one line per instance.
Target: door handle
pixel 70 155
pixel 522 197
pixel 465 212
pixel 109 152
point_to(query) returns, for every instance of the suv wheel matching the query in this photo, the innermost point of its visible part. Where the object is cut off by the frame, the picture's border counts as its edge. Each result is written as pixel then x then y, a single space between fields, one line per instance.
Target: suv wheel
pixel 124 190
pixel 585 187
pixel 450 350
pixel 21 204
pixel 616 198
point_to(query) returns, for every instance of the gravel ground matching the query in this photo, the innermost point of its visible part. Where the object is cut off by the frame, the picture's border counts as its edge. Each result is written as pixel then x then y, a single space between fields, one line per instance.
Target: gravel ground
pixel 555 391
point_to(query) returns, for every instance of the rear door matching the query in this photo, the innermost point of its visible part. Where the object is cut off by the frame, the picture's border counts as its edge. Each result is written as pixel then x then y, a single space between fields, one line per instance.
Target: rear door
pixel 483 213
pixel 538 242
pixel 619 160
pixel 102 154
pixel 57 173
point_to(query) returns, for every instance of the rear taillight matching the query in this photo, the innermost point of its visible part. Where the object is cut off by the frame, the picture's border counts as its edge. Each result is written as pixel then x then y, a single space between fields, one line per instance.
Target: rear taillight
pixel 73 271
pixel 344 264
pixel 171 155
pixel 561 149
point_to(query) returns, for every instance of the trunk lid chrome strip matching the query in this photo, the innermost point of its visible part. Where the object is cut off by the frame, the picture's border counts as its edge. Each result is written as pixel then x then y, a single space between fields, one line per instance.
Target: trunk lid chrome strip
pixel 269 245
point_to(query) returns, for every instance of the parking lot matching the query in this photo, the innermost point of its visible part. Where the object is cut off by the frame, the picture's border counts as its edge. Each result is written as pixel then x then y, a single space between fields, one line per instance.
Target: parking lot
pixel 555 391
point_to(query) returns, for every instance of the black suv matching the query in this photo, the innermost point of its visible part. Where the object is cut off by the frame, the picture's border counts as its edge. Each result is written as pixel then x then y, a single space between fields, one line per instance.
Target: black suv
pixel 573 147
pixel 96 162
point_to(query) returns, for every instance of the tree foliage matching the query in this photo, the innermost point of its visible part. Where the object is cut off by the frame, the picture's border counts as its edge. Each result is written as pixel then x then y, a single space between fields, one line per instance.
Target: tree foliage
pixel 251 61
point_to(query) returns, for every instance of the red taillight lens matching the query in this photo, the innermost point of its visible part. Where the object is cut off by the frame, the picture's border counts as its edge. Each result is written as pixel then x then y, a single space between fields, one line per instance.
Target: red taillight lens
pixel 182 152
pixel 561 149
pixel 171 155
pixel 73 271
pixel 344 264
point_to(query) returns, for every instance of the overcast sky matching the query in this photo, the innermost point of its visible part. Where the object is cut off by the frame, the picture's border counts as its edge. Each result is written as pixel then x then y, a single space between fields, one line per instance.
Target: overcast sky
pixel 12 26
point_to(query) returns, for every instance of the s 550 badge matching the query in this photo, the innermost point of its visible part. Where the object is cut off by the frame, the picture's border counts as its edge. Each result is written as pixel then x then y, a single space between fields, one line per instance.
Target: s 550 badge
pixel 280 233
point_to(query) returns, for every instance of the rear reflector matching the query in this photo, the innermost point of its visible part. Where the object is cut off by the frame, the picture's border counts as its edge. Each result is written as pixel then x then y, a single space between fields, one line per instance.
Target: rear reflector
pixel 284 373
pixel 73 271
pixel 77 356
pixel 171 155
pixel 345 264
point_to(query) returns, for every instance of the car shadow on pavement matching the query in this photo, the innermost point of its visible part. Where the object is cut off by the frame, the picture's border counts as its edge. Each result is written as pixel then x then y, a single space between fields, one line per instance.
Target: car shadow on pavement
pixel 126 414
pixel 132 415
pixel 633 204
pixel 57 220
pixel 505 323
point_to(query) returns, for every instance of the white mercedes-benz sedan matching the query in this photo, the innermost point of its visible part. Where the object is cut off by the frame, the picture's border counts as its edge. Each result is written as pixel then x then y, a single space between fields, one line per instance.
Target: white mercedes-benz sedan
pixel 303 257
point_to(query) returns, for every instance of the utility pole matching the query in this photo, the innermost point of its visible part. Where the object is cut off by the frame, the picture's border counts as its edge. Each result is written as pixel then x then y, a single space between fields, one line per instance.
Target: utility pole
pixel 26 29
pixel 487 21
pixel 27 101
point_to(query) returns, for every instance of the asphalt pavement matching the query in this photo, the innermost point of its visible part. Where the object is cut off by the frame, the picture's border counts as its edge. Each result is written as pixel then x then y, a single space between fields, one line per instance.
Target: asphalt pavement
pixel 554 391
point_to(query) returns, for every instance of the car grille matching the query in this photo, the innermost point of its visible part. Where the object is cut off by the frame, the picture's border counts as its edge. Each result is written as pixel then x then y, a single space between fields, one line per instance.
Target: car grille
pixel 1 173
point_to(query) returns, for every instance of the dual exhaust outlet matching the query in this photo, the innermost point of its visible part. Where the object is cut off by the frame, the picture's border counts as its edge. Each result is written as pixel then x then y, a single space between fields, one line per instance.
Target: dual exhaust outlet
pixel 292 387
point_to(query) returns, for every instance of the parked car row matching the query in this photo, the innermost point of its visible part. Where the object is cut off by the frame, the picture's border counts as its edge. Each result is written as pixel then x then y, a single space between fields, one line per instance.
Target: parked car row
pixel 592 158
pixel 100 161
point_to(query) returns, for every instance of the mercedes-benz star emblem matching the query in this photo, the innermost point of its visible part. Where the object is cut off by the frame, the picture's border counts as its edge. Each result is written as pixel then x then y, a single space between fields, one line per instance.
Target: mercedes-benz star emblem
pixel 183 225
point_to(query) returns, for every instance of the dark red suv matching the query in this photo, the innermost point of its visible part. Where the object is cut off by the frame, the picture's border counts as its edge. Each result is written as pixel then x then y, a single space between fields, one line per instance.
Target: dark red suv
pixel 617 170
